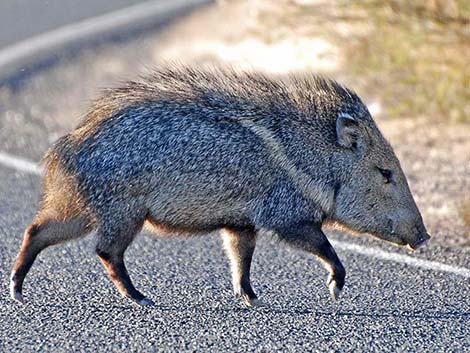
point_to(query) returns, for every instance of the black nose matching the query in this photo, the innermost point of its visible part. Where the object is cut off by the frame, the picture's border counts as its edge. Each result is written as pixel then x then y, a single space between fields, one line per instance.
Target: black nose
pixel 424 238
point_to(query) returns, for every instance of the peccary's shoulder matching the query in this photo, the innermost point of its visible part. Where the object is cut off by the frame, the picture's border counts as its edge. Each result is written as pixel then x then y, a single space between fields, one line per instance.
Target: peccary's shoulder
pixel 285 206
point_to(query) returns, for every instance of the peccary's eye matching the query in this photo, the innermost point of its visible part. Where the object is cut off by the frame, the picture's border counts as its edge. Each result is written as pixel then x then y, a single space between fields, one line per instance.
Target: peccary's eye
pixel 387 175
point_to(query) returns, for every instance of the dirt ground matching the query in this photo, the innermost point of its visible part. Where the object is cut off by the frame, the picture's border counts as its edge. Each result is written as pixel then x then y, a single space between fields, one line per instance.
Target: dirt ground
pixel 274 37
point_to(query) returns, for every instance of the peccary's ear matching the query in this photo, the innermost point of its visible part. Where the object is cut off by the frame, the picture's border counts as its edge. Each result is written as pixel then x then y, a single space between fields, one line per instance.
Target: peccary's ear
pixel 347 131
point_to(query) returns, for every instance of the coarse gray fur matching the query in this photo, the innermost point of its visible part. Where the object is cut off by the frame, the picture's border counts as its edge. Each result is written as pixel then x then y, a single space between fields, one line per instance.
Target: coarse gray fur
pixel 192 151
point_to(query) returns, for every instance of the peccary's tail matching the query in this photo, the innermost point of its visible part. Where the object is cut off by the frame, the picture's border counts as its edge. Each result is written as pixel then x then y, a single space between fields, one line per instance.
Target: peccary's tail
pixel 62 216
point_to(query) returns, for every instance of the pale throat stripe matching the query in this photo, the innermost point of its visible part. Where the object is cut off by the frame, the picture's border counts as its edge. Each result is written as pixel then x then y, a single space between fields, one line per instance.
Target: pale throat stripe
pixel 321 197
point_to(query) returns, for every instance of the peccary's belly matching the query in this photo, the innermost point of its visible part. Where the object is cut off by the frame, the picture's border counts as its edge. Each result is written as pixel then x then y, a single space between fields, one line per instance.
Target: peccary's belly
pixel 183 168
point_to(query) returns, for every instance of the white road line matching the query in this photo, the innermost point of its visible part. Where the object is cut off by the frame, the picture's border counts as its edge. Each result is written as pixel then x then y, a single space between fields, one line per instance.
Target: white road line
pixel 403 259
pixel 16 54
pixel 19 164
pixel 24 165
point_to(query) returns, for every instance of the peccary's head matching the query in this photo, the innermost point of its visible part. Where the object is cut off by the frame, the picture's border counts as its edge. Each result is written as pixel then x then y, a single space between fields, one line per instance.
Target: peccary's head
pixel 372 194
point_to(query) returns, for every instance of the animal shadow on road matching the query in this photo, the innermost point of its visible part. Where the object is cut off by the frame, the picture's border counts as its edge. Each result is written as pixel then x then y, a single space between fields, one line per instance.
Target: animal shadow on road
pixel 267 310
pixel 414 314
pixel 385 314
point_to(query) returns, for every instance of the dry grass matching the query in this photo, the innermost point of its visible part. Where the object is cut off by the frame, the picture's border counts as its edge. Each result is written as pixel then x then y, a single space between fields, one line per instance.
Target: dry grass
pixel 419 53
pixel 412 55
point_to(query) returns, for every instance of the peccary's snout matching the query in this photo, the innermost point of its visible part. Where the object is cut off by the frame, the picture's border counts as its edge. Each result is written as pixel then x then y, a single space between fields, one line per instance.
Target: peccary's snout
pixel 421 237
pixel 416 236
pixel 424 238
pixel 406 231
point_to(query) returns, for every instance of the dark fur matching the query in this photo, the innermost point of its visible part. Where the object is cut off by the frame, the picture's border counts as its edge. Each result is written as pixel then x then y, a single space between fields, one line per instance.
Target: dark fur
pixel 194 151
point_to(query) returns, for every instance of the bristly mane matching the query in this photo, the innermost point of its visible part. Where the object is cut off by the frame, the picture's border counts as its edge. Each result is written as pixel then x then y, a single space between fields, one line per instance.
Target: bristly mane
pixel 244 93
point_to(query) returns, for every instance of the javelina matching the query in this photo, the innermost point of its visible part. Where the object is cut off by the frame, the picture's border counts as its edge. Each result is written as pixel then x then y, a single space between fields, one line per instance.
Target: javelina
pixel 191 151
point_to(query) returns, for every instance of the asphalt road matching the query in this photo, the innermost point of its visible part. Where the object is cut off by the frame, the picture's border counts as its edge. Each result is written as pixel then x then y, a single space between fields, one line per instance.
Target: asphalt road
pixel 38 34
pixel 387 305
pixel 22 19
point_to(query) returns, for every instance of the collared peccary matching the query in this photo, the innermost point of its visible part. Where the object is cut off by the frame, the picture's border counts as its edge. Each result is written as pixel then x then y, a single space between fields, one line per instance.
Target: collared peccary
pixel 191 152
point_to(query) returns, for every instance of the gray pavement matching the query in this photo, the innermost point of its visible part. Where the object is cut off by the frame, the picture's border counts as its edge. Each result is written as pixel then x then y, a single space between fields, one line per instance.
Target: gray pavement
pixel 39 34
pixel 22 19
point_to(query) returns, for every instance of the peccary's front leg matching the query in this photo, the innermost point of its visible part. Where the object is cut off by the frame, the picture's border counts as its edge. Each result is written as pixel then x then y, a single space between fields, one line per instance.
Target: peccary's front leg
pixel 239 246
pixel 310 238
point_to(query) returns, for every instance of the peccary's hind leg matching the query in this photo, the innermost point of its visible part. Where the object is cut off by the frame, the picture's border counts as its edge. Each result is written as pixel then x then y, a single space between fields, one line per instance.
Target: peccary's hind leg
pixel 112 243
pixel 239 246
pixel 310 238
pixel 39 235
